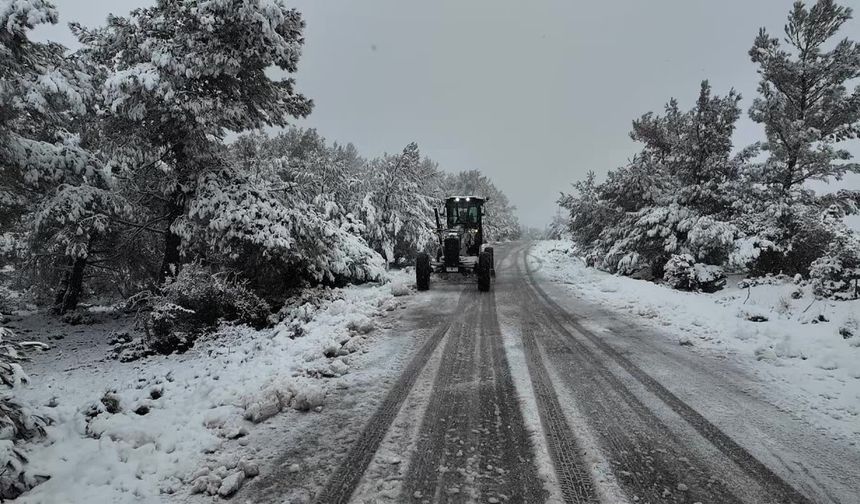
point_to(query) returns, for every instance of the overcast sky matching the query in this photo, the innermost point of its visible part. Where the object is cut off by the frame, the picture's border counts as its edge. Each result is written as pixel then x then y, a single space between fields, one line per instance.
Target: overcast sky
pixel 534 94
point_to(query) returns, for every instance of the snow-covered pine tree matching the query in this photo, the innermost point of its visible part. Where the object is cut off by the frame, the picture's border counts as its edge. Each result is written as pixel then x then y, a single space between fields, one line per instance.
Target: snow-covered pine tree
pixel 17 422
pixel 672 198
pixel 319 186
pixel 588 215
pixel 807 110
pixel 325 175
pixel 242 222
pixel 398 204
pixel 55 197
pixel 559 226
pixel 177 76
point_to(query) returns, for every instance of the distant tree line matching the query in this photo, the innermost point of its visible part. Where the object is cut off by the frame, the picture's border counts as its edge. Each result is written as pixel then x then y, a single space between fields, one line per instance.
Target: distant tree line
pixel 689 199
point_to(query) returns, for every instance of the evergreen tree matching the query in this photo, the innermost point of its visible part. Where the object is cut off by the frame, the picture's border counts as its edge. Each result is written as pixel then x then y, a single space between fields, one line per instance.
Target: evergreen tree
pixel 398 203
pixel 17 422
pixel 807 110
pixel 177 76
pixel 804 103
pixel 673 198
pixel 55 194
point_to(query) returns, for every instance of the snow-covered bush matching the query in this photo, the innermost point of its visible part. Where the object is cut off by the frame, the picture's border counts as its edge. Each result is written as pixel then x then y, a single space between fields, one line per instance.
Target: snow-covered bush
pixel 303 304
pixel 683 273
pixel 8 300
pixel 215 296
pixel 17 422
pixel 837 274
pixel 250 228
pixel 195 300
pixel 849 329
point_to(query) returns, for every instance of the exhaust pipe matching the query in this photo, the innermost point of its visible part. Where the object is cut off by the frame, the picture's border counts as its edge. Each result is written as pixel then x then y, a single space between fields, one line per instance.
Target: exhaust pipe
pixel 438 226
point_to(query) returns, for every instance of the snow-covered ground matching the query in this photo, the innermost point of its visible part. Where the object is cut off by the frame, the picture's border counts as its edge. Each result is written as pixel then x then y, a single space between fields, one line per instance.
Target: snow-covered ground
pixel 807 350
pixel 189 421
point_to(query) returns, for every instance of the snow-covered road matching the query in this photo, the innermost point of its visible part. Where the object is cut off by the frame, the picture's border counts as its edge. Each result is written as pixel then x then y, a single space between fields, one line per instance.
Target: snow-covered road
pixel 670 425
pixel 529 394
pixel 562 384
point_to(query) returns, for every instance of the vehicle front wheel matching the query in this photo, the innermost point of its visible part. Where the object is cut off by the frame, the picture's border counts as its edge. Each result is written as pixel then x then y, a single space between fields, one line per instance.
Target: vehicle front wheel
pixel 485 267
pixel 489 250
pixel 422 272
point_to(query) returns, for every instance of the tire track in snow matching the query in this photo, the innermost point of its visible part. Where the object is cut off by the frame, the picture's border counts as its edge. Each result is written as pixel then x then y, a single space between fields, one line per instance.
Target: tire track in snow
pixel 508 442
pixel 780 490
pixel 346 477
pixel 448 419
pixel 576 485
pixel 473 445
pixel 646 459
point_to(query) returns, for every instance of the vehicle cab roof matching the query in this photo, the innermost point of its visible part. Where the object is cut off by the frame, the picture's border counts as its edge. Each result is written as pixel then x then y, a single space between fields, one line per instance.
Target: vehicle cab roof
pixel 468 197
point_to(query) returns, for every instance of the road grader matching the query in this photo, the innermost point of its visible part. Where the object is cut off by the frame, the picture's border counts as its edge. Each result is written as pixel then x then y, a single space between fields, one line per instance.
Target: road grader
pixel 461 248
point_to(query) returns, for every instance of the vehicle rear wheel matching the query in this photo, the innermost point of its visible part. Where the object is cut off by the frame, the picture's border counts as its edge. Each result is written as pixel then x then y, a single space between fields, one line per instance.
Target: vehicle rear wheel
pixel 485 265
pixel 422 271
pixel 489 250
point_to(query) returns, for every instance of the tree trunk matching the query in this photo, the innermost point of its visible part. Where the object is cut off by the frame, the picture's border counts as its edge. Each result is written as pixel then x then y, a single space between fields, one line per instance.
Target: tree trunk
pixel 73 283
pixel 172 241
pixel 175 208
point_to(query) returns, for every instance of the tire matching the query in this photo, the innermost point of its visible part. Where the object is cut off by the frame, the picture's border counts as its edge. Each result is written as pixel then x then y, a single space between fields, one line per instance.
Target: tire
pixel 422 271
pixel 485 266
pixel 489 250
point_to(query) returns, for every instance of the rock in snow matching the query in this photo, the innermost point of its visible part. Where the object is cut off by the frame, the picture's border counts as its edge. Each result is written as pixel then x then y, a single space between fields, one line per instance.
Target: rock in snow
pixel 264 408
pixel 400 289
pixel 231 484
pixel 250 469
pixel 308 397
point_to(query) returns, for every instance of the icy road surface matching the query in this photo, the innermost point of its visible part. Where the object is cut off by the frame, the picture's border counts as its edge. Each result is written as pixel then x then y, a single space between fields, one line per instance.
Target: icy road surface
pixel 526 394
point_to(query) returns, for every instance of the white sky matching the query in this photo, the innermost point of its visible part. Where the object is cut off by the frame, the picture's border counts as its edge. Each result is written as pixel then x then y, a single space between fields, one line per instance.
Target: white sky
pixel 534 94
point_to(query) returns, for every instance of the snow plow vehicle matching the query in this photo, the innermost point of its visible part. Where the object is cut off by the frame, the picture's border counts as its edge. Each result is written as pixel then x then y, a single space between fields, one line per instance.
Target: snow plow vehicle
pixel 461 248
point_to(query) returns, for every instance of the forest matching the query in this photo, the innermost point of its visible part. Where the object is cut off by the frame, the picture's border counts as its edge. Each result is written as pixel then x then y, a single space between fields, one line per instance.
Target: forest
pixel 158 166
pixel 690 206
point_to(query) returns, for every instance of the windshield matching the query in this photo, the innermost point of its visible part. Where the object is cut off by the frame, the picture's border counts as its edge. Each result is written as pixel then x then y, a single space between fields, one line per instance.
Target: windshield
pixel 462 213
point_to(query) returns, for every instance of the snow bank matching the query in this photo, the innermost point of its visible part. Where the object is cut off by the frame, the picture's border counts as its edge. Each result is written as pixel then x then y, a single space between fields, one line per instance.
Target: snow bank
pixel 809 348
pixel 181 419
